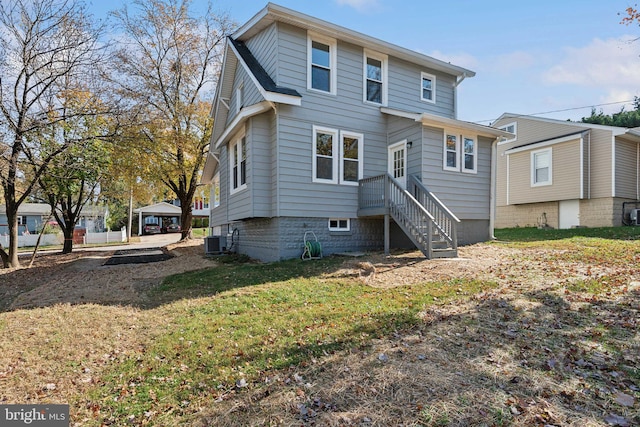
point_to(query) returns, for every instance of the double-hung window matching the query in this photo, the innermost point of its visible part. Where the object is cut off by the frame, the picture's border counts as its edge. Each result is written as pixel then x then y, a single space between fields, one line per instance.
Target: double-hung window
pixel 428 87
pixel 321 58
pixel 469 155
pixel 460 153
pixel 451 152
pixel 511 128
pixel 375 78
pixel 541 167
pixel 337 156
pixel 238 164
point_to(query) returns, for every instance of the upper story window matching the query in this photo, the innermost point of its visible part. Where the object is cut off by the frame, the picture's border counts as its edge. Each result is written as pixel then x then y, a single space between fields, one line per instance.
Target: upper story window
pixel 337 156
pixel 428 87
pixel 238 164
pixel 511 128
pixel 375 78
pixel 541 167
pixel 321 54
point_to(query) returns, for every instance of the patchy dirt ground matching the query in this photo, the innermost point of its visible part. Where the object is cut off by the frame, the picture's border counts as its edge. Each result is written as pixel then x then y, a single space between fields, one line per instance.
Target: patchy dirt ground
pixel 82 277
pixel 533 352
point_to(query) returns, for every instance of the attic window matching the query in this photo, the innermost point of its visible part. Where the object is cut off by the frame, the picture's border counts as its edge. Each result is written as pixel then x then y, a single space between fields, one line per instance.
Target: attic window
pixel 511 128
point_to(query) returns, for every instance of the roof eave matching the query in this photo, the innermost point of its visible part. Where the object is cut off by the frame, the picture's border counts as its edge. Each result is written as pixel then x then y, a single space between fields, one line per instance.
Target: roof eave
pixel 273 12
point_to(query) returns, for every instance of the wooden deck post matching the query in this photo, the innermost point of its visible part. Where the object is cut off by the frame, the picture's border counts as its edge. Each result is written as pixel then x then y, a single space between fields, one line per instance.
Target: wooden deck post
pixel 386 234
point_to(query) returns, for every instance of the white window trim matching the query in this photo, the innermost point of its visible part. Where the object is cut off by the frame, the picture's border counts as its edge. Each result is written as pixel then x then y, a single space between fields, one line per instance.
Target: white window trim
pixel 333 61
pixel 360 138
pixel 20 219
pixel 347 228
pixel 515 132
pixel 334 155
pixel 475 154
pixel 444 152
pixel 533 168
pixel 431 77
pixel 233 152
pixel 239 97
pixel 384 59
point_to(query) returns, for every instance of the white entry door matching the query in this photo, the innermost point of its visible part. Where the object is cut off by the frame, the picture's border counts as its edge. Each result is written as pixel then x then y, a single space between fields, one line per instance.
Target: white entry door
pixel 398 162
pixel 569 215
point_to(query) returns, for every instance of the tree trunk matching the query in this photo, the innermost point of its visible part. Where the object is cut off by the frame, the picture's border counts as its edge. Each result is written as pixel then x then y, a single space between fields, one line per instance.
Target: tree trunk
pixel 67 247
pixel 186 216
pixel 4 257
pixel 12 219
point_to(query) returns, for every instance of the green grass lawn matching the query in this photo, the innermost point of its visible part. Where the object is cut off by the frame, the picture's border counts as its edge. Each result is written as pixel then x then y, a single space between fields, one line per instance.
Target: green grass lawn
pixel 251 319
pixel 531 234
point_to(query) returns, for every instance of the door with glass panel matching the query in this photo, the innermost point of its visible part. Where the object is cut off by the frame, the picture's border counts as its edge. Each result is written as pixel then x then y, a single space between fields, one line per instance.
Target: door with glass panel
pixel 398 162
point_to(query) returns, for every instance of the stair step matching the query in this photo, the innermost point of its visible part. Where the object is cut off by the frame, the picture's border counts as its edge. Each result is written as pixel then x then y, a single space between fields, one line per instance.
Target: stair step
pixel 444 253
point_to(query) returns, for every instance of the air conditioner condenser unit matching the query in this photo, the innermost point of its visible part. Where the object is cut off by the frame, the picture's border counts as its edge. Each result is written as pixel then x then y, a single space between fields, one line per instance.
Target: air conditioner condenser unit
pixel 634 217
pixel 215 245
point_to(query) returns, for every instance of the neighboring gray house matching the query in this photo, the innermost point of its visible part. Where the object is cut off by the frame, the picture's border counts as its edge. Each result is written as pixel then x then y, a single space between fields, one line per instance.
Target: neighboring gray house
pixel 566 174
pixel 31 216
pixel 320 128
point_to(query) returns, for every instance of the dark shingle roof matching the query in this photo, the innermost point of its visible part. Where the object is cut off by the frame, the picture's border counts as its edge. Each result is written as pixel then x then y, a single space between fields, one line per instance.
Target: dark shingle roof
pixel 258 72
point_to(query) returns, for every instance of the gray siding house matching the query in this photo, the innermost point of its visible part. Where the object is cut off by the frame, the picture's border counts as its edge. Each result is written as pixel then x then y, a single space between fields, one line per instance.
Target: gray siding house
pixel 566 174
pixel 320 128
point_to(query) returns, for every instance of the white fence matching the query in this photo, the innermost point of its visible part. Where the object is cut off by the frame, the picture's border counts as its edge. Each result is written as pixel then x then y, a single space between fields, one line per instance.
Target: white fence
pixel 58 239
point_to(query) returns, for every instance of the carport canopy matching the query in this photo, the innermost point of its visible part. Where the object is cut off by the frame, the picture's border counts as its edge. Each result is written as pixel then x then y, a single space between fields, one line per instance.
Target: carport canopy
pixel 159 209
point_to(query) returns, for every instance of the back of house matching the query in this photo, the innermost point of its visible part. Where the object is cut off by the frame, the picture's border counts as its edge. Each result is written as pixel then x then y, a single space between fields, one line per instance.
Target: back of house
pixel 318 128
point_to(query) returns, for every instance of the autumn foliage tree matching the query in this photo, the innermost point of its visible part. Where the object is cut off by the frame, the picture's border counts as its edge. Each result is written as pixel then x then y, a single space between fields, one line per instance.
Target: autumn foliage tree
pixel 43 44
pixel 166 67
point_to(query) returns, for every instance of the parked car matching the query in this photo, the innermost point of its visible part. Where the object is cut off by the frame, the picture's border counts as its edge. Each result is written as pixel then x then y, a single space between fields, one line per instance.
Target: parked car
pixel 151 229
pixel 172 228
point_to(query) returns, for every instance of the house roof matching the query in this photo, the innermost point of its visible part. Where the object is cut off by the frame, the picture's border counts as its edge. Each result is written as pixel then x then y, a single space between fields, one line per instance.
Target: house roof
pixel 275 13
pixel 632 133
pixel 162 208
pixel 45 209
pixel 257 71
pixel 546 142
pixel 444 122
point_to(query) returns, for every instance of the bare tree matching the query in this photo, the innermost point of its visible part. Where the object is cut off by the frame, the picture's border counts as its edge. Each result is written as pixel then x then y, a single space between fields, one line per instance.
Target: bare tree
pixel 167 67
pixel 44 44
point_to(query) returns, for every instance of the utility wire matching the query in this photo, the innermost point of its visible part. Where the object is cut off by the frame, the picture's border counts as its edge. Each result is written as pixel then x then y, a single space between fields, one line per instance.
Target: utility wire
pixel 563 110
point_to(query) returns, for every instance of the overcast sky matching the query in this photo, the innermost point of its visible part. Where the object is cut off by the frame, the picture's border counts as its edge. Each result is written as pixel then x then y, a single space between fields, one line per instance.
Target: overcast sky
pixel 529 57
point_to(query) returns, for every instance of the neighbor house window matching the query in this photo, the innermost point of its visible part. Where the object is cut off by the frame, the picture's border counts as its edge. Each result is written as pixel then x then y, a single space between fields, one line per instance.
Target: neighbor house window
pixel 351 155
pixel 469 155
pixel 375 78
pixel 451 152
pixel 325 155
pixel 22 220
pixel 339 224
pixel 511 128
pixel 321 63
pixel 541 167
pixel 428 88
pixel 238 164
pixel 216 190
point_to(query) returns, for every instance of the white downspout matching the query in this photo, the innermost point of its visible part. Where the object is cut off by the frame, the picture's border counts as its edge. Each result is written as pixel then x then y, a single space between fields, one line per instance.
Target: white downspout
pixel 494 179
pixel 455 94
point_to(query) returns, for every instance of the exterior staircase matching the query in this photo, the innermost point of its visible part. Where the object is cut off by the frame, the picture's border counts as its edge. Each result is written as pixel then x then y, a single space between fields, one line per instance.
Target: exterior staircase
pixel 419 213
